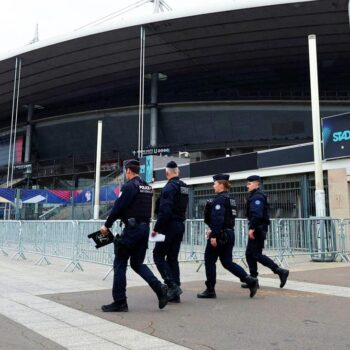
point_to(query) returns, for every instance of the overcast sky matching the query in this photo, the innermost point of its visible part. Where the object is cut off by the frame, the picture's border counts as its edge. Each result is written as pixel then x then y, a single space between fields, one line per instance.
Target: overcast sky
pixel 18 18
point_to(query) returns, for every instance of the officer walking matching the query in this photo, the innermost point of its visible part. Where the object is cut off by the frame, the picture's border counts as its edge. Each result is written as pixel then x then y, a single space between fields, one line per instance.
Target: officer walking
pixel 258 218
pixel 171 214
pixel 220 215
pixel 133 207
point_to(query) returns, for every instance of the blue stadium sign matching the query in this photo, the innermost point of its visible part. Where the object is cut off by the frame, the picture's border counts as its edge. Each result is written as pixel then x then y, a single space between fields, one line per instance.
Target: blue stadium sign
pixel 336 136
pixel 146 168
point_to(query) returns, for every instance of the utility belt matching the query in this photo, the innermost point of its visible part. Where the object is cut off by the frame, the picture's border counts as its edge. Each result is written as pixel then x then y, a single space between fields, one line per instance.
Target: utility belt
pixel 177 219
pixel 133 222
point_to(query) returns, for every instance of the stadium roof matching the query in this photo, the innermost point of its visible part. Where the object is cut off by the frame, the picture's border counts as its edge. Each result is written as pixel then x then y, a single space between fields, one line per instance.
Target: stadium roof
pixel 231 44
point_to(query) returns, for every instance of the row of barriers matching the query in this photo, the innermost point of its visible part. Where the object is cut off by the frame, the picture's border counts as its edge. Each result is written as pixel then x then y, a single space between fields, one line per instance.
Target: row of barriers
pixel 323 239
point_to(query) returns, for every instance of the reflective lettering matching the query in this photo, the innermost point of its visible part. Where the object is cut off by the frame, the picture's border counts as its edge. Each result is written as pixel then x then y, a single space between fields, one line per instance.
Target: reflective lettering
pixel 341 136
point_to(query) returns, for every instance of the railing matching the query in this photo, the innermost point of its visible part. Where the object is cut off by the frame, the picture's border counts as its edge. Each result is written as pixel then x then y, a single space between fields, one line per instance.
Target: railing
pixel 323 239
pixel 344 240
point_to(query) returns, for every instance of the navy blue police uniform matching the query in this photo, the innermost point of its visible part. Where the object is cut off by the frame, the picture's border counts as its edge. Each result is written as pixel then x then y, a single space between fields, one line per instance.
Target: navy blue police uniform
pixel 171 214
pixel 133 207
pixel 220 217
pixel 258 220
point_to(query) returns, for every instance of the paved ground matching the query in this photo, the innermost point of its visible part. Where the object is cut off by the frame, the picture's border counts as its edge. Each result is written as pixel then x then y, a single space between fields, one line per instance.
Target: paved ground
pixel 14 336
pixel 43 307
pixel 275 319
pixel 333 276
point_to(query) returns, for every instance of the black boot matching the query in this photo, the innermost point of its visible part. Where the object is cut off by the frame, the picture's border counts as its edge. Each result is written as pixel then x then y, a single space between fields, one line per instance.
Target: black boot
pixel 174 291
pixel 245 285
pixel 209 293
pixel 115 307
pixel 162 294
pixel 252 283
pixel 176 300
pixel 283 275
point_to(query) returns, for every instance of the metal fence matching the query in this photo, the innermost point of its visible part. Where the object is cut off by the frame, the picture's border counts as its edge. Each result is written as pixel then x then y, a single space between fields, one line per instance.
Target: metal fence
pixel 323 239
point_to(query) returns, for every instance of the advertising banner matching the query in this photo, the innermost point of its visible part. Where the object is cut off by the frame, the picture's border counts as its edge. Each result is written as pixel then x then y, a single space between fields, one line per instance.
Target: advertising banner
pixel 336 136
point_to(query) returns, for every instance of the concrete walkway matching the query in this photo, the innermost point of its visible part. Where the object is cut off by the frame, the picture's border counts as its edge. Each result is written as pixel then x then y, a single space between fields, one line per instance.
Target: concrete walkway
pixel 43 305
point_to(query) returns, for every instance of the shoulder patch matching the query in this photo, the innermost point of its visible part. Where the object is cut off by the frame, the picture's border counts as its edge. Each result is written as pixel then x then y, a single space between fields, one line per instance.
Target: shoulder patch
pixel 184 190
pixel 257 202
pixel 218 207
pixel 233 202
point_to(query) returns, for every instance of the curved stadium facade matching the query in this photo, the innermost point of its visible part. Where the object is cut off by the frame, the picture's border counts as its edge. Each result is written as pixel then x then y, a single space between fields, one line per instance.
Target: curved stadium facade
pixel 237 81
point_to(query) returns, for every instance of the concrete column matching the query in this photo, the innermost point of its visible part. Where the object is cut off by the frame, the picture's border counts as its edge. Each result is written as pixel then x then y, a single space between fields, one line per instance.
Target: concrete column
pixel 154 110
pixel 98 171
pixel 28 145
pixel 320 200
pixel 339 196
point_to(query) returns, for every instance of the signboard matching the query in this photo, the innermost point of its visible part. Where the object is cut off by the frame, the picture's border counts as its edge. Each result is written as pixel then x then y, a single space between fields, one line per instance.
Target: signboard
pixel 149 169
pixel 146 168
pixel 336 136
pixel 156 151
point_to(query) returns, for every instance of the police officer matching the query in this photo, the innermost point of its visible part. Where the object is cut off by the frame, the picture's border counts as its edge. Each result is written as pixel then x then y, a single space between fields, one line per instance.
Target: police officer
pixel 258 218
pixel 171 214
pixel 219 215
pixel 133 207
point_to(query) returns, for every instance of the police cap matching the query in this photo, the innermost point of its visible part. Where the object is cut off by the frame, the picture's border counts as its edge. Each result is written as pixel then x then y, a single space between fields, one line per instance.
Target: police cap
pixel 254 178
pixel 131 162
pixel 171 165
pixel 218 177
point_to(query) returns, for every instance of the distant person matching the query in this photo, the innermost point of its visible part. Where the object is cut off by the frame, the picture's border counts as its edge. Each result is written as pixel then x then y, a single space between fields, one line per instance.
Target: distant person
pixel 171 214
pixel 133 207
pixel 259 220
pixel 220 215
pixel 88 196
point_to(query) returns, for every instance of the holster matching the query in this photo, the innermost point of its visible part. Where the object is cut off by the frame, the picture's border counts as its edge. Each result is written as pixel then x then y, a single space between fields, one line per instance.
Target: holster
pixel 261 232
pixel 223 237
pixel 130 222
pixel 120 249
pixel 226 236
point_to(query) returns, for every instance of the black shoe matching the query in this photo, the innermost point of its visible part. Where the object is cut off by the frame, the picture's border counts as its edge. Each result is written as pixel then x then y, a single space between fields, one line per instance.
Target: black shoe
pixel 174 291
pixel 252 283
pixel 245 285
pixel 283 275
pixel 176 300
pixel 162 294
pixel 115 307
pixel 207 294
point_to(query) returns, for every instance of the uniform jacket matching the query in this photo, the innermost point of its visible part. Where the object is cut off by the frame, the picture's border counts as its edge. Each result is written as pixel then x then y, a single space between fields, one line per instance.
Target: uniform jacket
pixel 257 209
pixel 166 204
pixel 127 194
pixel 217 215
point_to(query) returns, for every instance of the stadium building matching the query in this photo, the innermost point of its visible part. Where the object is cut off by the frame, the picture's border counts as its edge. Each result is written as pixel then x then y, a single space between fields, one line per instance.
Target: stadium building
pixel 228 86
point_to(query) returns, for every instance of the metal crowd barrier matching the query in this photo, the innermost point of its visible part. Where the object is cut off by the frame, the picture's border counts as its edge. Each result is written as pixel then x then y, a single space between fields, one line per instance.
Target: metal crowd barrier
pixel 317 237
pixel 324 239
pixel 344 241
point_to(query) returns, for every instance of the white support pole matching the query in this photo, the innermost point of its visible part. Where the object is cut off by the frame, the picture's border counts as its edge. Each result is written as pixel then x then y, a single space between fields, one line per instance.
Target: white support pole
pixel 141 92
pixel 98 171
pixel 320 200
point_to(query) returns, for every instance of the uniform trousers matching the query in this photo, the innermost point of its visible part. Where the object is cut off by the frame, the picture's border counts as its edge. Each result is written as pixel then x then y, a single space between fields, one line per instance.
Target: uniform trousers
pixel 165 254
pixel 224 253
pixel 135 249
pixel 254 255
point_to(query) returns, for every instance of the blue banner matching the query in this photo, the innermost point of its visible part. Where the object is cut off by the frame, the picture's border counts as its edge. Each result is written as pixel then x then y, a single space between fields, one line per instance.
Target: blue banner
pixel 336 136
